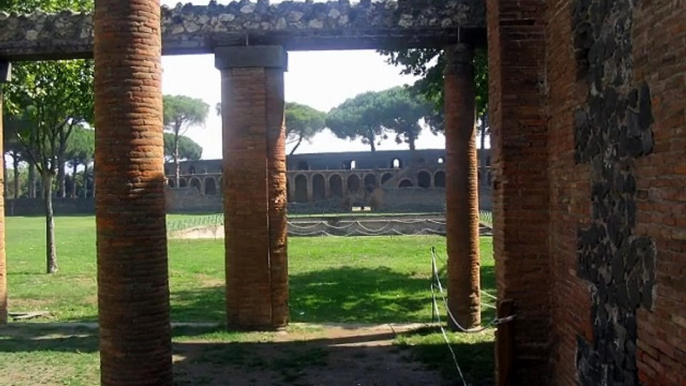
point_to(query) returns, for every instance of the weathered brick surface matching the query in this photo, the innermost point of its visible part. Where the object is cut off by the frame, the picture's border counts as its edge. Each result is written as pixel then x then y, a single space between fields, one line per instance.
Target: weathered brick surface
pixel 133 291
pixel 647 345
pixel 3 261
pixel 462 192
pixel 255 197
pixel 516 44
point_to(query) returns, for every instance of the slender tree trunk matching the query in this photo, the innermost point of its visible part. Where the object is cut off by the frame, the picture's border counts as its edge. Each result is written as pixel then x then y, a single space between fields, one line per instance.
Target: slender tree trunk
pixel 372 143
pixel 482 154
pixel 177 167
pixel 4 175
pixel 15 165
pixel 32 180
pixel 61 178
pixel 51 252
pixel 412 141
pixel 75 165
pixel 85 180
pixel 300 140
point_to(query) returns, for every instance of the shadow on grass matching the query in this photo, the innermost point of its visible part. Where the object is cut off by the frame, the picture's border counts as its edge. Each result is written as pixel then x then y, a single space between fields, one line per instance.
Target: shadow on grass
pixel 340 295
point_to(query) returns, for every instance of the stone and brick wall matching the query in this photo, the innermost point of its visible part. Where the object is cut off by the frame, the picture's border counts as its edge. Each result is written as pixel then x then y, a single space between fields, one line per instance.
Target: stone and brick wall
pixel 617 139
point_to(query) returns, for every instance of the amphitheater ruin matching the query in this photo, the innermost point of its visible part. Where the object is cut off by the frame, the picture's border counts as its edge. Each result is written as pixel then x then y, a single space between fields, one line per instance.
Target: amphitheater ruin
pixel 587 114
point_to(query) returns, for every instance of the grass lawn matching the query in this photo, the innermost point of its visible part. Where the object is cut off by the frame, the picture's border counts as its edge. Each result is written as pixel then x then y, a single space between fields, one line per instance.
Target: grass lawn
pixel 352 280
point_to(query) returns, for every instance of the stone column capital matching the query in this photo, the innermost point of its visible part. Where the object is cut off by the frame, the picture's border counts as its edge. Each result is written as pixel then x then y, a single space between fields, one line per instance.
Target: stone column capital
pixel 459 60
pixel 251 57
pixel 5 71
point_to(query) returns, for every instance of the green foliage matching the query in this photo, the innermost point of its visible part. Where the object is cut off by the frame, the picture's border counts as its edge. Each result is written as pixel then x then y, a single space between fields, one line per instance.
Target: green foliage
pixel 302 123
pixel 401 111
pixel 358 118
pixel 27 6
pixel 188 149
pixel 81 146
pixel 182 112
pixel 429 65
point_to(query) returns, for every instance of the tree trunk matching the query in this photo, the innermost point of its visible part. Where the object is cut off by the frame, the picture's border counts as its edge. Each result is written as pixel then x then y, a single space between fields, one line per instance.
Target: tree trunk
pixel 482 154
pixel 73 177
pixel 51 252
pixel 85 180
pixel 372 143
pixel 300 140
pixel 32 180
pixel 15 165
pixel 61 178
pixel 4 176
pixel 412 141
pixel 177 167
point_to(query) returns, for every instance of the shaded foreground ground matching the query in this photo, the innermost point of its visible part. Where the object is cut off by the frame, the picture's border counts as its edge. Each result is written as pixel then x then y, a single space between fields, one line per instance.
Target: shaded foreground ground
pixel 52 354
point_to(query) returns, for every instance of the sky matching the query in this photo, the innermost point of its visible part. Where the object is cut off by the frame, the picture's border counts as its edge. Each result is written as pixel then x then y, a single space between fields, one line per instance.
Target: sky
pixel 320 79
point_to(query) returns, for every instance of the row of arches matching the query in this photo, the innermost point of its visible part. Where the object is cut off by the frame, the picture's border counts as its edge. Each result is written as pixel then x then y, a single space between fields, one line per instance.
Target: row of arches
pixel 208 186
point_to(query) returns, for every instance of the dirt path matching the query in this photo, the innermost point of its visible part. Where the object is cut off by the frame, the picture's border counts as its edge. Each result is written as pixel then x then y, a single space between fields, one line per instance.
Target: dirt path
pixel 312 356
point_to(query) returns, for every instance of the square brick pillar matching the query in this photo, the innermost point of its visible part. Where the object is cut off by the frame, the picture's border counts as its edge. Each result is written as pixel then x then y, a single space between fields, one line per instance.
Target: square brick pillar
pixel 254 185
pixel 462 188
pixel 521 207
pixel 5 69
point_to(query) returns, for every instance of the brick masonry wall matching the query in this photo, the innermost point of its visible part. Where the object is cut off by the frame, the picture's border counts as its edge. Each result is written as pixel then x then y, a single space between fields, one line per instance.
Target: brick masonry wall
pixel 516 44
pixel 617 138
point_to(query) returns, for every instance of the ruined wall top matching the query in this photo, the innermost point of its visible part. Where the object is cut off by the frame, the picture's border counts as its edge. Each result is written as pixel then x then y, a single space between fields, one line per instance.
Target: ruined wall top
pixel 192 29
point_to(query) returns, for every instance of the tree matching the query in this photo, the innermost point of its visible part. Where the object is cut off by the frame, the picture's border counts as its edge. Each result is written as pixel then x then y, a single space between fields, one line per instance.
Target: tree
pixel 53 98
pixel 302 123
pixel 80 151
pixel 401 112
pixel 180 114
pixel 14 149
pixel 358 117
pixel 188 149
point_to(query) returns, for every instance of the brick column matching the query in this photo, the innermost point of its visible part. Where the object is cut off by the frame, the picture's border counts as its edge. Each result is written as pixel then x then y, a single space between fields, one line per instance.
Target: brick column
pixel 254 185
pixel 462 191
pixel 5 69
pixel 133 290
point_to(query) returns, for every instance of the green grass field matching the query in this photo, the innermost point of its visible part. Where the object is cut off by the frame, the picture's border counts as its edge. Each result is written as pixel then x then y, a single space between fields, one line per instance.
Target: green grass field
pixel 351 280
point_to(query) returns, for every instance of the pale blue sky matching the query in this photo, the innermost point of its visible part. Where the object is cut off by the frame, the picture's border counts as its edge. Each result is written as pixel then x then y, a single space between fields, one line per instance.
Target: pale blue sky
pixel 321 79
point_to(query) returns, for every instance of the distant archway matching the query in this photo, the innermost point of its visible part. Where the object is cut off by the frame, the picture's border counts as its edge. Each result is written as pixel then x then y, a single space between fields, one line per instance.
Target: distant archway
pixel 405 184
pixel 210 187
pixel 353 184
pixel 439 179
pixel 370 182
pixel 353 165
pixel 171 183
pixel 300 188
pixel 424 179
pixel 386 177
pixel 195 183
pixel 318 187
pixel 183 183
pixel 396 163
pixel 441 160
pixel 336 185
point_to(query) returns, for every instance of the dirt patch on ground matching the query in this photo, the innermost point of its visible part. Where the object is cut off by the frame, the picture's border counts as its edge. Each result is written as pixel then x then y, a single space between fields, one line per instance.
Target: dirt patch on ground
pixel 305 356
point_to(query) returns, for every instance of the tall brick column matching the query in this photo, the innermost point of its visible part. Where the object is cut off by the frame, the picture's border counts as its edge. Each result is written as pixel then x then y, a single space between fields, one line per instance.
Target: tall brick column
pixel 255 192
pixel 462 188
pixel 4 77
pixel 133 290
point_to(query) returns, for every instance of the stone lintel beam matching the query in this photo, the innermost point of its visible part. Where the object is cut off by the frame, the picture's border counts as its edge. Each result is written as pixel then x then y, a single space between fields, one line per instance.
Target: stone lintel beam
pixel 251 57
pixel 299 25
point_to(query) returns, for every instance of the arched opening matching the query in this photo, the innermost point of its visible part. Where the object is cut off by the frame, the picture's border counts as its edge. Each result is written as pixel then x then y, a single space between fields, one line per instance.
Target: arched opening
pixel 210 187
pixel 386 177
pixel 336 185
pixel 439 179
pixel 424 179
pixel 370 182
pixel 183 183
pixel 353 184
pixel 396 163
pixel 171 183
pixel 302 165
pixel 353 165
pixel 441 160
pixel 195 183
pixel 191 170
pixel 318 187
pixel 301 189
pixel 405 184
